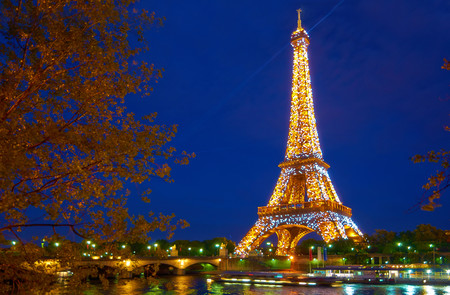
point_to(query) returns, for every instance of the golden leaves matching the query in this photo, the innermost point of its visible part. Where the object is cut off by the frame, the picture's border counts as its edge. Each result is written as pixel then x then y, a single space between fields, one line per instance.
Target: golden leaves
pixel 67 143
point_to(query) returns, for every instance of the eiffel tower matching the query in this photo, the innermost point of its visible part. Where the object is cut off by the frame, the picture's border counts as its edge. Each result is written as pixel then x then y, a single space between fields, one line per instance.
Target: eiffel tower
pixel 304 199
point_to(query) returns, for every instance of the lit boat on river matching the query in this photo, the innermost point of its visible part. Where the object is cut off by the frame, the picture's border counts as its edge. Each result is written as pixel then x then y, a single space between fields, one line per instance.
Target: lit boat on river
pixel 274 278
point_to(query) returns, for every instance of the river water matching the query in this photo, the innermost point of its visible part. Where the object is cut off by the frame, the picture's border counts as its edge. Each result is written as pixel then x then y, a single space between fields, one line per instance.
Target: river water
pixel 197 284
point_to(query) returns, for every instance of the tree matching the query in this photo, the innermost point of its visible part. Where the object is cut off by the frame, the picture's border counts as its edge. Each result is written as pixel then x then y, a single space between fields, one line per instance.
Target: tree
pixel 440 181
pixel 384 241
pixel 68 146
pixel 305 245
pixel 342 246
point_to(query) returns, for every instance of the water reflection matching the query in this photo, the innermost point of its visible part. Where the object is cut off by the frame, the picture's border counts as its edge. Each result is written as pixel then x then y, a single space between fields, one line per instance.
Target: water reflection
pixel 410 290
pixel 349 289
pixel 429 290
pixel 191 285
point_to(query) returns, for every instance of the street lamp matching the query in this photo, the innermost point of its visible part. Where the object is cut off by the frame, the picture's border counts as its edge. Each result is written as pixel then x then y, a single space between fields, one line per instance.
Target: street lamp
pixel 217 247
pixel 201 251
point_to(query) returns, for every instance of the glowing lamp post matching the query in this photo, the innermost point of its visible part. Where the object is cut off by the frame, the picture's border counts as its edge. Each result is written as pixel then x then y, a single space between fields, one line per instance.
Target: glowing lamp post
pixel 217 248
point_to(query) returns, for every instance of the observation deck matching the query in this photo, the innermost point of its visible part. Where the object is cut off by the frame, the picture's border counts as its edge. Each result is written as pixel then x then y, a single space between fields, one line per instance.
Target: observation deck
pixel 306 207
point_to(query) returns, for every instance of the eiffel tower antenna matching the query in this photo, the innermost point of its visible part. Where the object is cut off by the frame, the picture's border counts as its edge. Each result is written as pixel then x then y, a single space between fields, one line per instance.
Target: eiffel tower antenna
pixel 299 22
pixel 304 199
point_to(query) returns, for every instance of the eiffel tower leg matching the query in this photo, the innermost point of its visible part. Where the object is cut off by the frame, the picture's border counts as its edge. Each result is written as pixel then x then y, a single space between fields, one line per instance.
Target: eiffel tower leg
pixel 300 233
pixel 255 236
pixel 333 226
pixel 284 242
pixel 288 239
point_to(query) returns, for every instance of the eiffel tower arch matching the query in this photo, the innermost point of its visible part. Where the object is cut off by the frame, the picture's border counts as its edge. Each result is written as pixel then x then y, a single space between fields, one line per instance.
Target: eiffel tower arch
pixel 304 199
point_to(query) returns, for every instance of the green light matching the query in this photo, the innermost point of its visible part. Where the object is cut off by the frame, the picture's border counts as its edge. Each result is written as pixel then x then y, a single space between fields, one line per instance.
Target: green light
pixel 148 247
pixel 88 242
pixel 399 244
pixel 13 242
pixel 217 245
pixel 123 246
pixel 201 250
pixel 57 244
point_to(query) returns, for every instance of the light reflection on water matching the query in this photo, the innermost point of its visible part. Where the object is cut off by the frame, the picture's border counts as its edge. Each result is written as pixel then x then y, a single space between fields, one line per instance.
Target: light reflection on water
pixel 194 285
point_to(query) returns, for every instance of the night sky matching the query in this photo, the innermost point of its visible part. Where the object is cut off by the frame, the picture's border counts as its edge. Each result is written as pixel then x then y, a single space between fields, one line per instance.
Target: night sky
pixel 379 91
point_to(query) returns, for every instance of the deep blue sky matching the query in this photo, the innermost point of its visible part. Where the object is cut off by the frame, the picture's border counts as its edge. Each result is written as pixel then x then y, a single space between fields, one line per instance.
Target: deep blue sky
pixel 380 97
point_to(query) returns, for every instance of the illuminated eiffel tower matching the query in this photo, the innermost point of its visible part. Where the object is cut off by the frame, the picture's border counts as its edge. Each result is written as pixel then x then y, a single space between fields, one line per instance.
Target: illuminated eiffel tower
pixel 304 199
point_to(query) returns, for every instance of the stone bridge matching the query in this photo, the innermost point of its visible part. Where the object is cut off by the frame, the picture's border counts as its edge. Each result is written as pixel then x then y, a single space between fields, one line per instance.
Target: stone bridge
pixel 180 264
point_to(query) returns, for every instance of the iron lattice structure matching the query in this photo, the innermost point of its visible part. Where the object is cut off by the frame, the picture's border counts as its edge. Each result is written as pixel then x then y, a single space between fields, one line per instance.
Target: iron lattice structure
pixel 304 199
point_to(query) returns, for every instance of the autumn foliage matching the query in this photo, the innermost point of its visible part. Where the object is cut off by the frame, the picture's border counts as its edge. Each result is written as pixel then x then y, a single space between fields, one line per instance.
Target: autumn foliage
pixel 68 145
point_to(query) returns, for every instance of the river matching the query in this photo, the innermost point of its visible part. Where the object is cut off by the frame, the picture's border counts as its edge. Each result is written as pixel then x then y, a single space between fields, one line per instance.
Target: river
pixel 197 284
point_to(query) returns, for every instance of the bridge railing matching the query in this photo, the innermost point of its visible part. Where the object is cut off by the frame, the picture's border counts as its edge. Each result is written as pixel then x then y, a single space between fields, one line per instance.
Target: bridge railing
pixel 305 207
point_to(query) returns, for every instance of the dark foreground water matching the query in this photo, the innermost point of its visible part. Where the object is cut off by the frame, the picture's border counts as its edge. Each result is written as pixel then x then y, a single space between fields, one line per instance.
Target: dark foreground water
pixel 199 285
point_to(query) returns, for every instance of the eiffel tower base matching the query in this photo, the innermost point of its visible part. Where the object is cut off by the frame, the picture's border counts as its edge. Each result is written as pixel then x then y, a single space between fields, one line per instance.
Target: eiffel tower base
pixel 291 228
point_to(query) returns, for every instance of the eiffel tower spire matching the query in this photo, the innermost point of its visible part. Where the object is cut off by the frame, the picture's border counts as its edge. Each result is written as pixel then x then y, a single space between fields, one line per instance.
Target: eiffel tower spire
pixel 304 199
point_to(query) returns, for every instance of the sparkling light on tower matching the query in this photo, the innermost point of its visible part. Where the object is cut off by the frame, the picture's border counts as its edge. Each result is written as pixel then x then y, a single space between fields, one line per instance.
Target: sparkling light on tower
pixel 304 199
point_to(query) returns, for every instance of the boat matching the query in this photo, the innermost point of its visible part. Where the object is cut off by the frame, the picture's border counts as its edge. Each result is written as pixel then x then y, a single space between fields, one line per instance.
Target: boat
pixel 274 278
